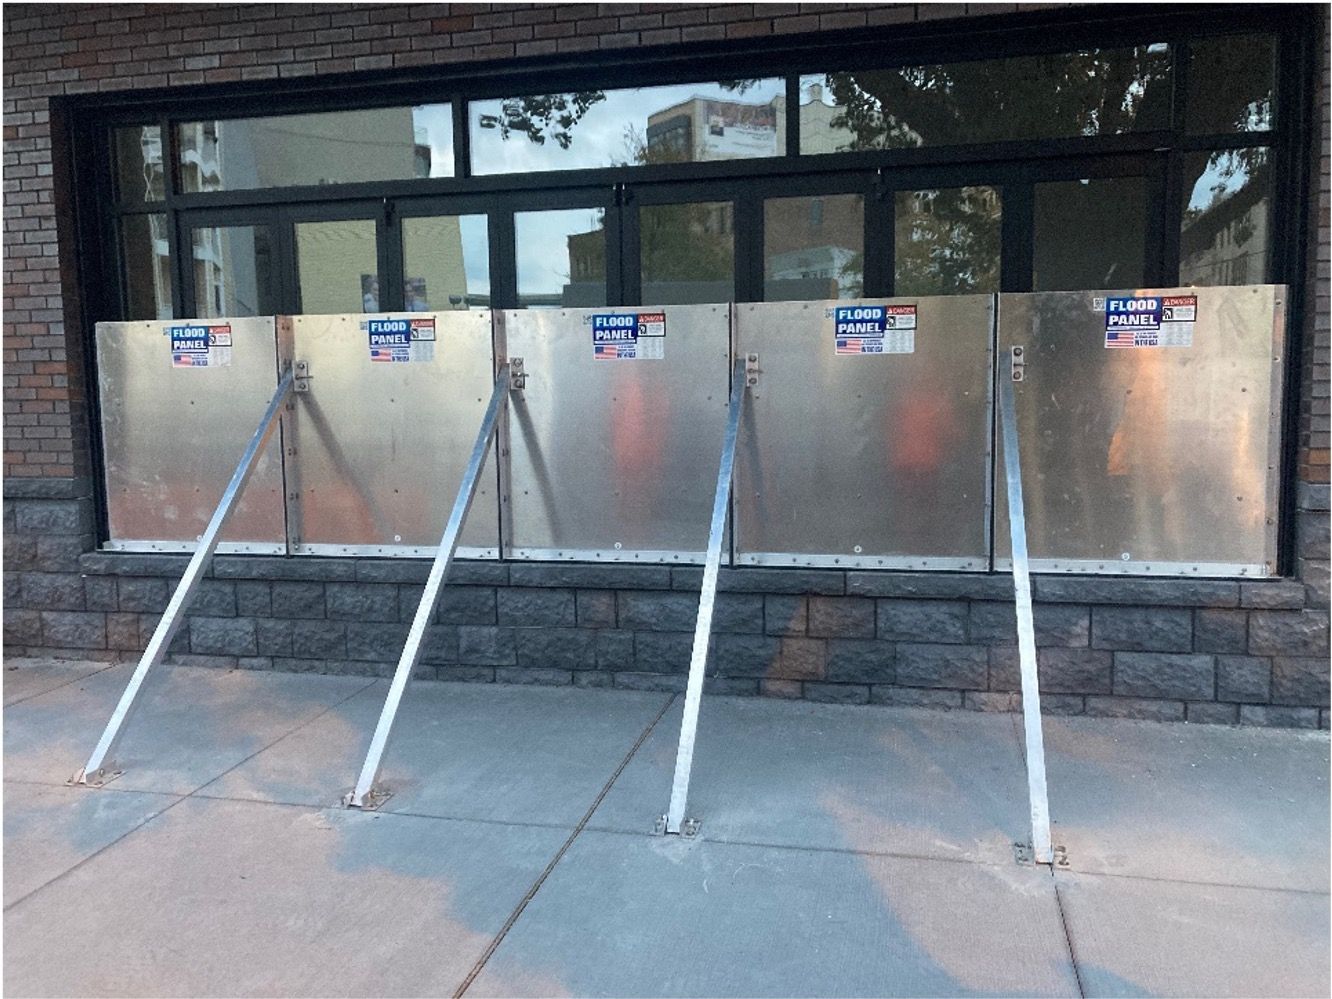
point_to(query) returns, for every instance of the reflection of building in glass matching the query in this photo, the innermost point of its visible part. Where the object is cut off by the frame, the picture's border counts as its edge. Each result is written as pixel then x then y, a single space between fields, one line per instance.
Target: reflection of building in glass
pixel 806 240
pixel 816 131
pixel 313 149
pixel 702 128
pixel 1226 243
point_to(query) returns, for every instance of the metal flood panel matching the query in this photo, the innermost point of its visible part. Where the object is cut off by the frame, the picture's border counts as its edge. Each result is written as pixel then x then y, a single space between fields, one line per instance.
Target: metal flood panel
pixel 616 437
pixel 1149 449
pixel 381 439
pixel 867 440
pixel 180 401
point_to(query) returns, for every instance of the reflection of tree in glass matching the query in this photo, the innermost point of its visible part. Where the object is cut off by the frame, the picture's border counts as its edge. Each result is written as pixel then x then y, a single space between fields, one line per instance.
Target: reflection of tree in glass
pixel 947 241
pixel 539 115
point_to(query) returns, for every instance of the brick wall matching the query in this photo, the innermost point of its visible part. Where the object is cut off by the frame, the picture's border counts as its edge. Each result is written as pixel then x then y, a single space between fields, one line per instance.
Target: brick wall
pixel 1206 651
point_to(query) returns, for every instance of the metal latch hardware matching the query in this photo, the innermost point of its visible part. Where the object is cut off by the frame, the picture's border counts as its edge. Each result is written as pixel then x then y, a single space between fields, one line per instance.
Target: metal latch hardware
pixel 517 376
pixel 303 376
pixel 1019 363
pixel 751 369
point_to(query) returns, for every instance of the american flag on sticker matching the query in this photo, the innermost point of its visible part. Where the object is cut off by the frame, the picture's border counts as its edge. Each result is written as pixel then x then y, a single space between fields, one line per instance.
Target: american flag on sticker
pixel 379 354
pixel 189 361
pixel 1120 338
pixel 606 351
pixel 848 346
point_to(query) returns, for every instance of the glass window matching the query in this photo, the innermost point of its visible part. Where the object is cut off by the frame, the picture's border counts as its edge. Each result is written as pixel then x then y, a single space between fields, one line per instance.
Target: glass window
pixel 1225 234
pixel 233 271
pixel 687 253
pixel 946 241
pixel 446 263
pixel 1096 92
pixel 561 258
pixel 337 264
pixel 1111 211
pixel 689 123
pixel 338 147
pixel 139 176
pixel 146 255
pixel 813 248
pixel 1230 84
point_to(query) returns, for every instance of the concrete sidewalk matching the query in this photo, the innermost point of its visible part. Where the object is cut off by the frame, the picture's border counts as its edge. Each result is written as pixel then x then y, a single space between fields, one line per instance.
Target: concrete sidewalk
pixel 844 850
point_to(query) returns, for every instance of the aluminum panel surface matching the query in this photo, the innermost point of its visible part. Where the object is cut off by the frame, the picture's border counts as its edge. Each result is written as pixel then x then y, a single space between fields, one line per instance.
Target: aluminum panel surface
pixel 615 458
pixel 875 460
pixel 380 446
pixel 1159 460
pixel 174 426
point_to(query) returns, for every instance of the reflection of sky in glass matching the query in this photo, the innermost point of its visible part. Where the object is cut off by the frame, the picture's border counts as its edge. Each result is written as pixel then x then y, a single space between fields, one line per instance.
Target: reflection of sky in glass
pixel 1226 174
pixel 433 126
pixel 599 138
pixel 542 252
pixel 476 254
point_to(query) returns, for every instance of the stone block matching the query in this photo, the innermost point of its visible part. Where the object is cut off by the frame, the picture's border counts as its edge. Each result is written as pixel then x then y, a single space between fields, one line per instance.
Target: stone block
pixel 754 579
pixel 609 576
pixel 213 598
pixel 374 641
pixel 923 620
pixel 535 607
pixel 594 678
pixel 729 687
pixel 1133 707
pixel 99 593
pixel 1059 671
pixel 1211 713
pixel 272 636
pixel 122 632
pixel 938 585
pixel 615 650
pixel 254 598
pixel 1065 625
pixel 1243 679
pixel 62 552
pixel 223 636
pixel 954 666
pixel 1142 629
pixel 533 676
pixel 1311 534
pixel 787 690
pixel 595 608
pixel 841 617
pixel 837 693
pixel 1220 630
pixel 1273 594
pixel 1300 680
pixel 1129 590
pixel 1181 676
pixel 1275 716
pixel 485 645
pixel 667 682
pixel 362 601
pixel 654 611
pixel 461 605
pixel 800 659
pixel 662 652
pixel 736 613
pixel 556 648
pixel 915 697
pixel 145 596
pixel 1288 633
pixel 52 591
pixel 319 640
pixel 853 660
pixel 295 598
pixel 785 615
pixel 22 627
pixel 74 629
pixel 53 516
pixel 440 644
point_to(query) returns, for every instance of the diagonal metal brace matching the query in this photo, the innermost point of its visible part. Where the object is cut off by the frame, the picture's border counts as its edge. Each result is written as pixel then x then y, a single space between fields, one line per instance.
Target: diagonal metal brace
pixel 97 771
pixel 745 374
pixel 1031 693
pixel 366 794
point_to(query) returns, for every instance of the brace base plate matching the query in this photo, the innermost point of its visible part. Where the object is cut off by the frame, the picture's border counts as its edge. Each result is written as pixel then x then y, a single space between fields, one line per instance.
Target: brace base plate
pixel 374 799
pixel 98 778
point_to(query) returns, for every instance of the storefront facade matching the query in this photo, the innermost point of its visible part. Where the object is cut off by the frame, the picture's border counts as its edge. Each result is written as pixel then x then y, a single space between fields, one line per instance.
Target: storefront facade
pixel 248 160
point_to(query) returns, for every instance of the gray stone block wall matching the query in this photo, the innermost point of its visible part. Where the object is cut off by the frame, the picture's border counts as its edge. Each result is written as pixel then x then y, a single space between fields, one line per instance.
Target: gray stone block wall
pixel 1205 651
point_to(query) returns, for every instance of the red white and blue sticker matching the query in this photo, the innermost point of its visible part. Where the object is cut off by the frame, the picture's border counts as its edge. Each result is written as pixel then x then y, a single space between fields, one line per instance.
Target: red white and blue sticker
pixel 628 336
pixel 1150 321
pixel 200 345
pixel 874 329
pixel 400 341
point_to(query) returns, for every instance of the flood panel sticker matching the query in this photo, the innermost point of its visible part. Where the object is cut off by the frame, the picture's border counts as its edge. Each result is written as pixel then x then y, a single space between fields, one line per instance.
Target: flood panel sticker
pixel 874 329
pixel 1150 320
pixel 200 345
pixel 401 341
pixel 628 336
